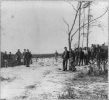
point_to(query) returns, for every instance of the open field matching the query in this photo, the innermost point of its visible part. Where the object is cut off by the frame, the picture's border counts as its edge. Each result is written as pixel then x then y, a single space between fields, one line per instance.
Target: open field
pixel 46 80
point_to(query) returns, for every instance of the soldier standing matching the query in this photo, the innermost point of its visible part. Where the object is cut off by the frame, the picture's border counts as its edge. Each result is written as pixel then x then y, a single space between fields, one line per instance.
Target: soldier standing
pixel 18 54
pixel 86 56
pixel 76 55
pixel 10 59
pixel 98 56
pixel 65 57
pixel 89 55
pixel 72 60
pixel 24 60
pixel 28 58
pixel 56 55
pixel 81 57
pixel 5 58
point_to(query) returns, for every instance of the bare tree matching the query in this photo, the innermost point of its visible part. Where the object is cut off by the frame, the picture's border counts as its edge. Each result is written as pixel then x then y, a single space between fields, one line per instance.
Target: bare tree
pixel 78 10
pixel 86 4
pixel 89 23
pixel 79 26
pixel 72 27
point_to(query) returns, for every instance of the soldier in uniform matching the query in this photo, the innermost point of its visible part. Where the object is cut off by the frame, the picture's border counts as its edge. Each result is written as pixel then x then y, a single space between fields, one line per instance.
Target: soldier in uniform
pixel 76 56
pixel 28 58
pixel 18 54
pixel 86 56
pixel 10 59
pixel 31 58
pixel 92 54
pixel 81 57
pixel 98 57
pixel 89 55
pixel 24 60
pixel 72 60
pixel 56 55
pixel 65 57
pixel 5 58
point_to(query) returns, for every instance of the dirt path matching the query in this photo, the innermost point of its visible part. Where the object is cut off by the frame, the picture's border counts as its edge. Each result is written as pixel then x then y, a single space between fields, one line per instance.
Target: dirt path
pixel 42 80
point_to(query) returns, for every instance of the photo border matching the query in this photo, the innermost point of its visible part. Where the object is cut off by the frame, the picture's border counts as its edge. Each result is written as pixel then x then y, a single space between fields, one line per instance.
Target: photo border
pixel 59 0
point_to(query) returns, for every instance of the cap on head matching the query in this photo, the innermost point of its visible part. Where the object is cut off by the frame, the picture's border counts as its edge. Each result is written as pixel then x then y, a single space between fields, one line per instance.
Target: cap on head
pixel 65 47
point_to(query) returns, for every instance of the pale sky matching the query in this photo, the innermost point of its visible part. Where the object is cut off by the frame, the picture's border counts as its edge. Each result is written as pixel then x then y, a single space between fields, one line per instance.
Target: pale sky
pixel 37 25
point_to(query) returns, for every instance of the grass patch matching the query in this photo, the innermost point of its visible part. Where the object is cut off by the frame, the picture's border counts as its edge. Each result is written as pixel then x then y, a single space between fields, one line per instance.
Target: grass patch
pixel 31 87
pixel 91 78
pixel 69 93
pixel 7 79
pixel 72 93
pixel 92 95
pixel 46 72
pixel 86 87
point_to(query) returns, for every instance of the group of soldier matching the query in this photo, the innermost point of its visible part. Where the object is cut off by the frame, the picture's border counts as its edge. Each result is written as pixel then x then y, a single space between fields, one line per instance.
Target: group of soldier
pixel 84 56
pixel 80 56
pixel 9 59
pixel 76 57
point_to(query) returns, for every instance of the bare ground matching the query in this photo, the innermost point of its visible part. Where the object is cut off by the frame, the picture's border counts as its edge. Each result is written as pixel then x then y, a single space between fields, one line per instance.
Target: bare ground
pixel 45 80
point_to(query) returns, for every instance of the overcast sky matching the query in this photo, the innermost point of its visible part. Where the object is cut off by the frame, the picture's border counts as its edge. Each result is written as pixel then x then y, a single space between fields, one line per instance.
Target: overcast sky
pixel 38 25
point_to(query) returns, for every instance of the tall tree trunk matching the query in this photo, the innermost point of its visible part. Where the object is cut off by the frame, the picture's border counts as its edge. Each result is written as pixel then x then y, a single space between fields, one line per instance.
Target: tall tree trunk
pixel 83 41
pixel 79 25
pixel 83 28
pixel 88 25
pixel 69 43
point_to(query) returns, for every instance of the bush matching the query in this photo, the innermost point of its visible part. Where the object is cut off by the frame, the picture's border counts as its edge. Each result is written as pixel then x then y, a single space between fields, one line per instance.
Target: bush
pixel 68 94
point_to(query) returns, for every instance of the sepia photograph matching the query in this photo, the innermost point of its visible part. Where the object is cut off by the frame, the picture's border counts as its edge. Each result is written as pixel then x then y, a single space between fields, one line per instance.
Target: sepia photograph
pixel 54 49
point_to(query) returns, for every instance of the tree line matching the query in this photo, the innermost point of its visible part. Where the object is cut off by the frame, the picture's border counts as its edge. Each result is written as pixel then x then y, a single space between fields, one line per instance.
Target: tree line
pixel 45 55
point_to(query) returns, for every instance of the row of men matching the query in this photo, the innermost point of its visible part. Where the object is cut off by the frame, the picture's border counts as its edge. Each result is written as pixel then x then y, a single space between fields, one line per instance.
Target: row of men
pixel 77 57
pixel 26 56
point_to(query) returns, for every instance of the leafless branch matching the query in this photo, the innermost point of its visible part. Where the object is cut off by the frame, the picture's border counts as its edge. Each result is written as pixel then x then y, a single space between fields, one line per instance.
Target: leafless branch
pixel 72 5
pixel 98 27
pixel 90 22
pixel 75 18
pixel 64 30
pixel 86 4
pixel 66 24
